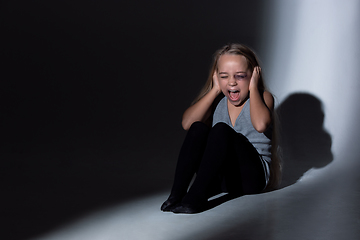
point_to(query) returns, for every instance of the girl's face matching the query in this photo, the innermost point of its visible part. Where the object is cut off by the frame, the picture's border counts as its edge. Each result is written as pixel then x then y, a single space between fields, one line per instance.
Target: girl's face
pixel 234 78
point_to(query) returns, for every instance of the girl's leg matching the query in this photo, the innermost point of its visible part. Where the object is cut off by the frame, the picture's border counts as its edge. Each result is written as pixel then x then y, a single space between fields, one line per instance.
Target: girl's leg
pixel 248 169
pixel 189 159
pixel 231 154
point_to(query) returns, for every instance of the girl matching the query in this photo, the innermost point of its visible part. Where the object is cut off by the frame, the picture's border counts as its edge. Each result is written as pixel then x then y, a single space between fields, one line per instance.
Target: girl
pixel 234 155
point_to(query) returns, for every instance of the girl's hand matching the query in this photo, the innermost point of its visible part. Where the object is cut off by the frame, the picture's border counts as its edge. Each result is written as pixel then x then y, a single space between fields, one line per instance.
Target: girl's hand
pixel 216 84
pixel 255 78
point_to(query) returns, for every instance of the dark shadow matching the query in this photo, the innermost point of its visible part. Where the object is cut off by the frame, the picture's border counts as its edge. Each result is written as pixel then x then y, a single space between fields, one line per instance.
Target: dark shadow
pixel 304 142
pixel 75 78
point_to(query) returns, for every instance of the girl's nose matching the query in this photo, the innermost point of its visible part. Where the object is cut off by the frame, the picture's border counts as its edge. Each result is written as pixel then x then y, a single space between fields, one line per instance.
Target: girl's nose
pixel 232 81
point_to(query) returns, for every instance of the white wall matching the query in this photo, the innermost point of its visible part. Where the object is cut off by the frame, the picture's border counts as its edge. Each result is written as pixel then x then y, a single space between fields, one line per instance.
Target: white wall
pixel 312 46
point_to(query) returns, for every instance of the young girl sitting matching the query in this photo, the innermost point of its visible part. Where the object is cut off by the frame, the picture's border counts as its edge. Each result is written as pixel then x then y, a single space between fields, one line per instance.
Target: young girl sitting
pixel 234 154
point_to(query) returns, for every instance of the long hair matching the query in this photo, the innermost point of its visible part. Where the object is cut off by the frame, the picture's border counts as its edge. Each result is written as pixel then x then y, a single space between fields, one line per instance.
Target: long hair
pixel 276 156
pixel 252 62
pixel 234 49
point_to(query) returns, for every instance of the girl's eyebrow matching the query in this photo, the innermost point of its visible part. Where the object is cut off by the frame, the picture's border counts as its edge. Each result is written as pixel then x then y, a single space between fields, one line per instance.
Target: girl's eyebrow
pixel 236 72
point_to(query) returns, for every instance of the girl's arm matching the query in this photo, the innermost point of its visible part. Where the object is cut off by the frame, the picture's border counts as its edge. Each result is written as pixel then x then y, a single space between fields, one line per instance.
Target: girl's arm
pixel 261 107
pixel 201 110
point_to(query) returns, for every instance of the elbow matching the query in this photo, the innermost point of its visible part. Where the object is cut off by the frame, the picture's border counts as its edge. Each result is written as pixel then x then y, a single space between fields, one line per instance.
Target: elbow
pixel 185 121
pixel 185 125
pixel 261 127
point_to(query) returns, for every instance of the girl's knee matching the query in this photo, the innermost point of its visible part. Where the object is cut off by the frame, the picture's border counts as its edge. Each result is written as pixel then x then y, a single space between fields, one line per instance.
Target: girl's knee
pixel 220 132
pixel 198 125
pixel 198 128
pixel 221 127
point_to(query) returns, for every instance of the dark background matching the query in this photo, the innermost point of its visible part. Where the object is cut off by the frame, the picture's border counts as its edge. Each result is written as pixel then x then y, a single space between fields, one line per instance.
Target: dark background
pixel 92 94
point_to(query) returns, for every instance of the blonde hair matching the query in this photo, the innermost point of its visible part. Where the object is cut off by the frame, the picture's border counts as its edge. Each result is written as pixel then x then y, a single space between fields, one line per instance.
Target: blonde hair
pixel 234 49
pixel 252 61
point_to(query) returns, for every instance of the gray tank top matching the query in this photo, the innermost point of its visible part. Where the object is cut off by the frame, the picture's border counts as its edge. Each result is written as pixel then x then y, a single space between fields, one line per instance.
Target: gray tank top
pixel 243 125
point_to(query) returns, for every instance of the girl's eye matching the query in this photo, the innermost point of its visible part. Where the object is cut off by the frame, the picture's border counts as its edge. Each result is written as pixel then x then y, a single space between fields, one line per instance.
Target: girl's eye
pixel 223 76
pixel 239 77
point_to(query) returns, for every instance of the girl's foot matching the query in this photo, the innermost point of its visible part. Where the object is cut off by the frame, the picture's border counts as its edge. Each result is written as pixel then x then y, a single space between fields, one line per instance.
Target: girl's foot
pixel 170 203
pixel 186 208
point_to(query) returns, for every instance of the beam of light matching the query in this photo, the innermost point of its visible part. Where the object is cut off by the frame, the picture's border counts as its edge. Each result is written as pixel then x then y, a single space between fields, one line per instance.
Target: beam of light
pixel 284 214
pixel 313 48
pixel 142 219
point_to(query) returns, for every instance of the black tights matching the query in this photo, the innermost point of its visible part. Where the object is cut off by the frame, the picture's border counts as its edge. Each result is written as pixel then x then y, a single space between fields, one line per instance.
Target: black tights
pixel 216 154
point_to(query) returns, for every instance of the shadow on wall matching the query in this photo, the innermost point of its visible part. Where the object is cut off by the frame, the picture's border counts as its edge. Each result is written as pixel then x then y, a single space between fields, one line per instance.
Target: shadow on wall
pixel 304 141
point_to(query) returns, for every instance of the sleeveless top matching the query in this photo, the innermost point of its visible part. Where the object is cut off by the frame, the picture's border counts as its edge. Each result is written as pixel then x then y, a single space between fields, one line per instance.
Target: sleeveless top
pixel 243 125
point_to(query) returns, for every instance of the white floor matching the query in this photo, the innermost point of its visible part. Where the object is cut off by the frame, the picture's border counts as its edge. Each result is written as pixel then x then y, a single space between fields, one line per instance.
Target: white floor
pixel 323 204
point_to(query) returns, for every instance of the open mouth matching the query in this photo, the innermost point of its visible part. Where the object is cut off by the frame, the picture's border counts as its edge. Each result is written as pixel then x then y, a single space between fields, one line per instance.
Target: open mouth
pixel 234 95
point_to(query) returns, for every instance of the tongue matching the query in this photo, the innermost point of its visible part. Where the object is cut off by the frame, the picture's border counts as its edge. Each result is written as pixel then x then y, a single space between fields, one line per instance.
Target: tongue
pixel 234 95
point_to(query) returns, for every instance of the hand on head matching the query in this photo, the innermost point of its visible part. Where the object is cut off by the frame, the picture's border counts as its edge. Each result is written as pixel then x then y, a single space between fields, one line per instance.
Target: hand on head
pixel 216 84
pixel 254 81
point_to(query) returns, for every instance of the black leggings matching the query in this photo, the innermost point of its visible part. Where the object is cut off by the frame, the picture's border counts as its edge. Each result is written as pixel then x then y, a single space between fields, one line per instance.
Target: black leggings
pixel 220 157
